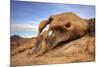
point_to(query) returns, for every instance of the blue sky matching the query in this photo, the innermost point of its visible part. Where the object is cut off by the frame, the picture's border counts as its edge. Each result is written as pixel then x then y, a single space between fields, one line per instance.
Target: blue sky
pixel 25 16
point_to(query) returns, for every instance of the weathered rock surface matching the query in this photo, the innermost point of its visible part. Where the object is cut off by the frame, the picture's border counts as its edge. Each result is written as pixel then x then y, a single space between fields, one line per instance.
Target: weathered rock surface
pixel 79 50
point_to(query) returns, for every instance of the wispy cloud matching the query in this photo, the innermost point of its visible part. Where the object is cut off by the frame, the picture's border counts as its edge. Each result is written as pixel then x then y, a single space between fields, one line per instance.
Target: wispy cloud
pixel 23 13
pixel 28 36
pixel 24 28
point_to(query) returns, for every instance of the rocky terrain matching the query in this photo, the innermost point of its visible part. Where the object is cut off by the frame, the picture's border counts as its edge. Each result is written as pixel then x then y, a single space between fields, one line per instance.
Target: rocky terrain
pixel 20 44
pixel 17 41
pixel 81 49
pixel 74 51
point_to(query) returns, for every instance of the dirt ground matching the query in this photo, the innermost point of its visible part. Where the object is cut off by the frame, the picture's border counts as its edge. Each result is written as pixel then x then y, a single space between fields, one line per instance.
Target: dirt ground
pixel 79 50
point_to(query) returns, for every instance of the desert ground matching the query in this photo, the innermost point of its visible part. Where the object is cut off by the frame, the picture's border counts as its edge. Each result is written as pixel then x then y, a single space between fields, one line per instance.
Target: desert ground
pixel 81 49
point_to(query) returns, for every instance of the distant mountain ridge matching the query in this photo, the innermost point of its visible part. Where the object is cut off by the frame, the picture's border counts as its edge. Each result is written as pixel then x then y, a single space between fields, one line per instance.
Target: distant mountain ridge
pixel 17 41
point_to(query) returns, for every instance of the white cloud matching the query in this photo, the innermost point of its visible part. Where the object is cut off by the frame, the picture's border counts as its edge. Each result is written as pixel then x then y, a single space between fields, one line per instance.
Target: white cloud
pixel 28 36
pixel 24 27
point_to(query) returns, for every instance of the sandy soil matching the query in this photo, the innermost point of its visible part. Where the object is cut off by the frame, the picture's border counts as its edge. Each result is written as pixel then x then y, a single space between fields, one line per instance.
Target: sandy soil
pixel 79 50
